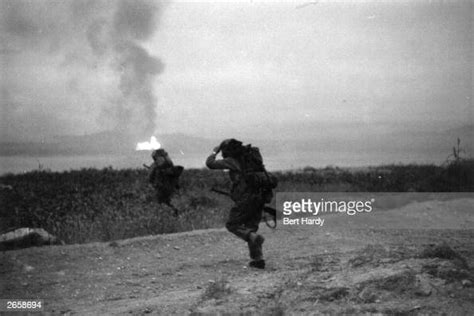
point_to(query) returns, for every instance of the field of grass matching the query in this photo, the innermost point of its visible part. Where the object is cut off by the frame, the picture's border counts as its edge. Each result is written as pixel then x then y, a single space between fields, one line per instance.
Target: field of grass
pixel 102 205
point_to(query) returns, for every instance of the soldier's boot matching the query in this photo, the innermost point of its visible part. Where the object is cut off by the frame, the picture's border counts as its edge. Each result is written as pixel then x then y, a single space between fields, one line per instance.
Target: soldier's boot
pixel 255 248
pixel 259 264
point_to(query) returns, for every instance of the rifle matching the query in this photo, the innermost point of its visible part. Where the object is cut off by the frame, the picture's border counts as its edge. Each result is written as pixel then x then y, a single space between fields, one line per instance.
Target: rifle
pixel 266 209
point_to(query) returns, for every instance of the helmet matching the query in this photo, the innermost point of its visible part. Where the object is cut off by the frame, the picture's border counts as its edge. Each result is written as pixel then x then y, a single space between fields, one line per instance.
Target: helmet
pixel 158 153
pixel 231 147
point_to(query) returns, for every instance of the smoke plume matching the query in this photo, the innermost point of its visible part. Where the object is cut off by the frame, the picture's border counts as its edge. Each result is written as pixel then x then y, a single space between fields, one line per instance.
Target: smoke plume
pixel 132 23
pixel 92 58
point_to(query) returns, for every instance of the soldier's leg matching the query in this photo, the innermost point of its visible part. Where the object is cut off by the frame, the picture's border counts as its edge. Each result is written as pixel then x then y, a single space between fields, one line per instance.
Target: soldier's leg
pixel 162 195
pixel 244 220
pixel 248 232
pixel 236 223
pixel 255 246
pixel 255 240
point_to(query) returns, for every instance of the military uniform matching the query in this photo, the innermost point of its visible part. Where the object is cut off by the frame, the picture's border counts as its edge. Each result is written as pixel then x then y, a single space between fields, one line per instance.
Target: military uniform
pixel 164 176
pixel 246 214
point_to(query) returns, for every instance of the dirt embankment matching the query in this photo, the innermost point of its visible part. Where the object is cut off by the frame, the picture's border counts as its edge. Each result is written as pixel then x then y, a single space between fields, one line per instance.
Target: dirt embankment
pixel 392 262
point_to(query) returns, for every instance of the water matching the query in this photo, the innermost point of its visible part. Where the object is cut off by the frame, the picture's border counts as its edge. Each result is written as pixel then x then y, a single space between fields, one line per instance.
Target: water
pixel 280 161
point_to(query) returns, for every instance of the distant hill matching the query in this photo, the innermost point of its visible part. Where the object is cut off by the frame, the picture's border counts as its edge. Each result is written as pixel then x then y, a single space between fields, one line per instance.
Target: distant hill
pixel 438 143
pixel 107 142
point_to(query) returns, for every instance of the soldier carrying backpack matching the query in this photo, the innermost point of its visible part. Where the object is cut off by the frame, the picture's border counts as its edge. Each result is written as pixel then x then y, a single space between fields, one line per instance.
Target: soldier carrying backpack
pixel 252 187
pixel 164 176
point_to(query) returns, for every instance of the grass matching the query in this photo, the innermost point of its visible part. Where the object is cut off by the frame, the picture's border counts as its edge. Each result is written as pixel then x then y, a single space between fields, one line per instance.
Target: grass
pixel 104 205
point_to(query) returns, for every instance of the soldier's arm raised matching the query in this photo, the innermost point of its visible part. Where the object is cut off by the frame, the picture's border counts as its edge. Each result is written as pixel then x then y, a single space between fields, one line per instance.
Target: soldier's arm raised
pixel 226 163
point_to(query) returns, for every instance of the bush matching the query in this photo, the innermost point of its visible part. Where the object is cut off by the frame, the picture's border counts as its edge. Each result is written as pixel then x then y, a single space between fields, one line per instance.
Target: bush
pixel 458 176
pixel 102 205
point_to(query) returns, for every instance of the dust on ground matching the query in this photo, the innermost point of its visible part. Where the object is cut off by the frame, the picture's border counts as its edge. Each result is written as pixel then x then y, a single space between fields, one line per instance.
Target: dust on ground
pixel 417 259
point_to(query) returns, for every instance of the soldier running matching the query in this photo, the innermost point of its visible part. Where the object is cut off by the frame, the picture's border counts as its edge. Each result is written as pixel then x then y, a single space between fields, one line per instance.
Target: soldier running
pixel 249 199
pixel 164 177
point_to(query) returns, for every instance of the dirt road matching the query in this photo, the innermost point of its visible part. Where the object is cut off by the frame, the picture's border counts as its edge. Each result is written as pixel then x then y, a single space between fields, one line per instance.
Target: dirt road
pixel 368 263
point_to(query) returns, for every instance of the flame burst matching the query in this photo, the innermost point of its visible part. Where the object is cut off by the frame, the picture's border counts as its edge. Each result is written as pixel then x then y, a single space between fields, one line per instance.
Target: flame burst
pixel 153 144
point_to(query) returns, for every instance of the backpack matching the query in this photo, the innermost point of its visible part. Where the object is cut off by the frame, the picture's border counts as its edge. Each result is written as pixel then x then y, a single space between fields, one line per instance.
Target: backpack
pixel 166 176
pixel 254 173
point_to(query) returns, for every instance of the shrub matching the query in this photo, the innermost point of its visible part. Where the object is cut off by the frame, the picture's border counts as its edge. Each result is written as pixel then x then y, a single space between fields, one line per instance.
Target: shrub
pixel 102 205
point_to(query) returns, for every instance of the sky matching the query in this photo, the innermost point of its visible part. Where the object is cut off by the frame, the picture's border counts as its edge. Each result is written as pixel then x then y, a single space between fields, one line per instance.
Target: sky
pixel 259 69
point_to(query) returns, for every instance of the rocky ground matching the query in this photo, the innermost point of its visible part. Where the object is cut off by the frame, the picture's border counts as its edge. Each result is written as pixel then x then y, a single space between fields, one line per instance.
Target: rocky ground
pixel 417 259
